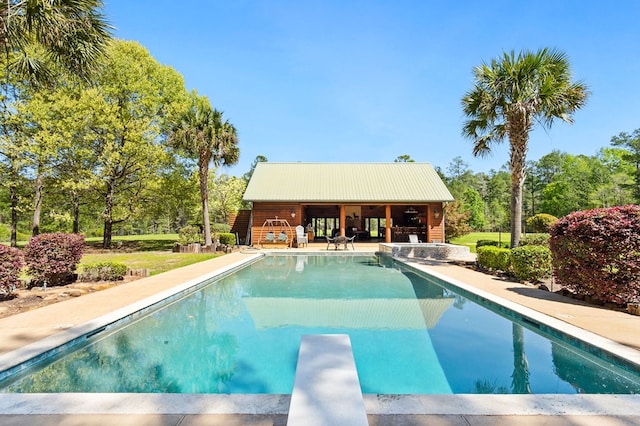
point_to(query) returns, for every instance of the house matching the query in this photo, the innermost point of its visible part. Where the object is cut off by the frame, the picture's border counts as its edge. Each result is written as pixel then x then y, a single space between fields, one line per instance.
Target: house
pixel 375 201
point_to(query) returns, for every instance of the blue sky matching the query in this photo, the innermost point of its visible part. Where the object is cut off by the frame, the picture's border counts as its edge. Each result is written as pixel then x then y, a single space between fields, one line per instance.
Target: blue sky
pixel 367 81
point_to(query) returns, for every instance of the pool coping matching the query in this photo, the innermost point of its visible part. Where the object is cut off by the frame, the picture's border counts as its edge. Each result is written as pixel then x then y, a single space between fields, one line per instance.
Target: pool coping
pixel 458 404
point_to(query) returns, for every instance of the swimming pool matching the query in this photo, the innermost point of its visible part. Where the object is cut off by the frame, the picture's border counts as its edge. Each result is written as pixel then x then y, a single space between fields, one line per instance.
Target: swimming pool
pixel 410 335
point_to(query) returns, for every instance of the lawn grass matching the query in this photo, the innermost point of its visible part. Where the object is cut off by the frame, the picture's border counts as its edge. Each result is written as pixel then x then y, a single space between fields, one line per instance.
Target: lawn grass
pixel 470 240
pixel 156 261
pixel 152 242
pixel 152 252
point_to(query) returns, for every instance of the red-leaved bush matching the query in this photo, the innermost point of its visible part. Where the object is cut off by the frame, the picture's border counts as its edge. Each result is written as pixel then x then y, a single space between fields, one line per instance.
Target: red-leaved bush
pixel 52 258
pixel 11 263
pixel 596 253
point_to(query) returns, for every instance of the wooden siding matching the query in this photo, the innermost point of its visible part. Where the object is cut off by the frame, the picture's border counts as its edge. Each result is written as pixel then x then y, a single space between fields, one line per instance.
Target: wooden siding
pixel 432 227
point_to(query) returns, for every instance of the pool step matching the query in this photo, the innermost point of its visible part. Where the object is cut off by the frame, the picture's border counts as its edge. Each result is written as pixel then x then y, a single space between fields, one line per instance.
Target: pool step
pixel 326 390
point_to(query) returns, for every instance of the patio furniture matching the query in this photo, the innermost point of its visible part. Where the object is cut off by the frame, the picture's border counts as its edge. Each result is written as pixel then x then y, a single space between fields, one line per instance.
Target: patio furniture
pixel 413 239
pixel 301 236
pixel 337 241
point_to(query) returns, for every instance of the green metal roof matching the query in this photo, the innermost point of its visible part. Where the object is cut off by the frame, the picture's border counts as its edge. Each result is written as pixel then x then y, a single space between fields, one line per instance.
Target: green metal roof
pixel 346 182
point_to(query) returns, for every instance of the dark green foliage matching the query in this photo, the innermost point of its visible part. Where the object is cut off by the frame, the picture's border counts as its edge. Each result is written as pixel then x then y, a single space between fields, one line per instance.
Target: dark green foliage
pixel 52 258
pixel 482 243
pixel 541 222
pixel 596 253
pixel 227 238
pixel 103 271
pixel 11 263
pixel 189 234
pixel 493 258
pixel 531 263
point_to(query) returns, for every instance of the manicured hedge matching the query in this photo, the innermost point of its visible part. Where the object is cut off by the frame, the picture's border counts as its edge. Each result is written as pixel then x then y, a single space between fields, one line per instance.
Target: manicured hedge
pixel 53 258
pixel 596 253
pixel 541 222
pixel 531 263
pixel 103 271
pixel 482 243
pixel 227 238
pixel 11 263
pixel 535 240
pixel 493 258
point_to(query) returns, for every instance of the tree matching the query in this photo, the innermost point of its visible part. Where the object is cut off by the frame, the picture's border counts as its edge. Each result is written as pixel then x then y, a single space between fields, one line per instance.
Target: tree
pixel 38 38
pixel 139 98
pixel 226 193
pixel 258 159
pixel 36 34
pixel 509 95
pixel 200 132
pixel 404 159
pixel 631 143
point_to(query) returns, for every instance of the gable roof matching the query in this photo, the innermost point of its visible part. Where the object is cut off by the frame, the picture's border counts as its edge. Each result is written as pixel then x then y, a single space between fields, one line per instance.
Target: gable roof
pixel 346 182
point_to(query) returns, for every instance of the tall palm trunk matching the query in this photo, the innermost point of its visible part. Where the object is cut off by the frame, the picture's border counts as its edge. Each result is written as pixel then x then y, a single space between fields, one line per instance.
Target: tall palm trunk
pixel 519 127
pixel 203 169
pixel 520 376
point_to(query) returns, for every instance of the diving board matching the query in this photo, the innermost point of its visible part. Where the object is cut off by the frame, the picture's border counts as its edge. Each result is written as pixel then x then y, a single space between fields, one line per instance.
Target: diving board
pixel 326 390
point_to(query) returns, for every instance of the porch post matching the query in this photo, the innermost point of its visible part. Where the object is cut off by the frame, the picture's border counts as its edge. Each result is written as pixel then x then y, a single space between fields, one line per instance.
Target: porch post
pixel 428 224
pixel 387 223
pixel 343 219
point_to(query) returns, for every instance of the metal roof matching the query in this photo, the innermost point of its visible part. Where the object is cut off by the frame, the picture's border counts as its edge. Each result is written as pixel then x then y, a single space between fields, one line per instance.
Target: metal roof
pixel 346 182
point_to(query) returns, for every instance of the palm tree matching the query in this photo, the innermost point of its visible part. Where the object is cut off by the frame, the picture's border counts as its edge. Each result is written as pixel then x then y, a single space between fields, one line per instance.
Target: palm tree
pixel 201 133
pixel 37 33
pixel 509 95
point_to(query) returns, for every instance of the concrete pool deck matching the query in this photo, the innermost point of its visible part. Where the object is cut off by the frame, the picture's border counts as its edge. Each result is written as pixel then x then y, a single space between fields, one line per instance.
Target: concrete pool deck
pixel 27 328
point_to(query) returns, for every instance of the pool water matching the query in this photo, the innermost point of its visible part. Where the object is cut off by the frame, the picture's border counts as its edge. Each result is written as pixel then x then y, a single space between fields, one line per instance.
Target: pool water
pixel 409 336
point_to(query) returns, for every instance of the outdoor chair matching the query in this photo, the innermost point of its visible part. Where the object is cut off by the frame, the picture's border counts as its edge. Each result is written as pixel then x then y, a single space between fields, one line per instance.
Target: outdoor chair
pixel 413 239
pixel 301 236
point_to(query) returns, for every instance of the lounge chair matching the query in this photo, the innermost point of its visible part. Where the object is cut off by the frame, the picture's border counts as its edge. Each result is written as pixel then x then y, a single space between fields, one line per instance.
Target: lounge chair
pixel 301 236
pixel 413 239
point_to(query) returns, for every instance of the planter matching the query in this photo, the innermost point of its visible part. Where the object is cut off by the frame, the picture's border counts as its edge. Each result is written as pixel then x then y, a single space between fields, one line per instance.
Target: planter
pixel 633 308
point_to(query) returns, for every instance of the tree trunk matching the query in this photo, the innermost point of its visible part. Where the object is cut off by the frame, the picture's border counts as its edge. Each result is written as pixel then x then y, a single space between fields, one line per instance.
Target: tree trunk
pixel 14 215
pixel 520 376
pixel 203 168
pixel 518 140
pixel 108 216
pixel 37 204
pixel 76 214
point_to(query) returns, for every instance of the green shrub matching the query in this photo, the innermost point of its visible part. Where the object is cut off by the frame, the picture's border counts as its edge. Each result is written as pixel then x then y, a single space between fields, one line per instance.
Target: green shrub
pixel 227 238
pixel 218 228
pixel 494 258
pixel 483 243
pixel 103 271
pixel 189 234
pixel 11 263
pixel 535 240
pixel 541 222
pixel 53 258
pixel 531 263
